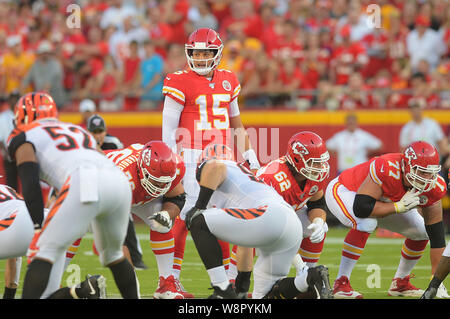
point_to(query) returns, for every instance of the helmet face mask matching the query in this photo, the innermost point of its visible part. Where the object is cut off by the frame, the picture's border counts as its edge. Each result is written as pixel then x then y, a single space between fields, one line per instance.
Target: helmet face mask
pixel 157 168
pixel 201 42
pixel 308 155
pixel 421 166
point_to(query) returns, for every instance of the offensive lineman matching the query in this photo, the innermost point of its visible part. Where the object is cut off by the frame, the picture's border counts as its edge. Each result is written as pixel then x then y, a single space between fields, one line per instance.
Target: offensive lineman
pixel 91 191
pixel 388 191
pixel 236 207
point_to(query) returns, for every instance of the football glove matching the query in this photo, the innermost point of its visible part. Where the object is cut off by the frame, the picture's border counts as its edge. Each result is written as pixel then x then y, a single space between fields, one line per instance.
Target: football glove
pixel 33 248
pixel 409 201
pixel 191 214
pixel 318 230
pixel 160 222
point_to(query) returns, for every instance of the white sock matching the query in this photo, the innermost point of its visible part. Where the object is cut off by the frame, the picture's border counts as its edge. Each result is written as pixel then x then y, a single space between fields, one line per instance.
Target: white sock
pixel 164 263
pixel 405 267
pixel 346 267
pixel 218 276
pixel 300 280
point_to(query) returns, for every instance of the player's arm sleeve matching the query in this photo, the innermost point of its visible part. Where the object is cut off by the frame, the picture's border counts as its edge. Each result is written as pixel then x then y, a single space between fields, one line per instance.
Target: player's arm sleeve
pixel 171 118
pixel 376 169
pixel 234 108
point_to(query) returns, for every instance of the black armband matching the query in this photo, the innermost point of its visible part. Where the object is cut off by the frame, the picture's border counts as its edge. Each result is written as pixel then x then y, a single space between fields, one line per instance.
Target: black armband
pixel 320 203
pixel 178 200
pixel 31 190
pixel 203 197
pixel 436 234
pixel 363 205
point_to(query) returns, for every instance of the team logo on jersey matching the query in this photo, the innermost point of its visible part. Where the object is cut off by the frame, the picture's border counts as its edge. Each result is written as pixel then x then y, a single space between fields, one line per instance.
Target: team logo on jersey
pixel 423 199
pixel 313 190
pixel 226 85
pixel 410 153
pixel 299 148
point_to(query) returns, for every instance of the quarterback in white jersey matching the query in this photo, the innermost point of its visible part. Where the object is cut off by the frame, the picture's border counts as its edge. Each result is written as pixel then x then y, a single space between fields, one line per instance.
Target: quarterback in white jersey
pixel 234 206
pixel 92 191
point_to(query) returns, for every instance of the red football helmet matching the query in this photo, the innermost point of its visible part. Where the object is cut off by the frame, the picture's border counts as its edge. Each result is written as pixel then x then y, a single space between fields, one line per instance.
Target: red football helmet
pixel 204 39
pixel 216 151
pixel 308 154
pixel 34 106
pixel 420 164
pixel 157 167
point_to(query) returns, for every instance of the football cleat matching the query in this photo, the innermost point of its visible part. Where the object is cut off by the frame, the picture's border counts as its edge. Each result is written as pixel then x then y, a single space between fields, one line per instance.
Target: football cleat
pixel 94 287
pixel 167 289
pixel 402 287
pixel 318 281
pixel 183 291
pixel 442 292
pixel 228 293
pixel 343 290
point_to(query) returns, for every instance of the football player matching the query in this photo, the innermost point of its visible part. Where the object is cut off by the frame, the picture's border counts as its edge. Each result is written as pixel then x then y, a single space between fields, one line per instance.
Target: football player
pixel 16 227
pixel 400 192
pixel 155 173
pixel 235 207
pixel 92 191
pixel 300 177
pixel 200 107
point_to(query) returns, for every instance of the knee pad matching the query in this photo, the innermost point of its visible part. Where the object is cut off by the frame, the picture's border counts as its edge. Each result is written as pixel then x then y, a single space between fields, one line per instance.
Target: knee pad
pixel 367 225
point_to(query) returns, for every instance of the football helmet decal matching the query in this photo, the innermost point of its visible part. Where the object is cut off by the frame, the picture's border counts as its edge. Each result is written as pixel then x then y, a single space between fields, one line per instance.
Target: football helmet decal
pixel 308 155
pixel 157 167
pixel 34 106
pixel 420 164
pixel 204 39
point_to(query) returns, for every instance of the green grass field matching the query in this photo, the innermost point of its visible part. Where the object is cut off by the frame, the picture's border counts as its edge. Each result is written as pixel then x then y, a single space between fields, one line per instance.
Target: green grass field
pixel 381 256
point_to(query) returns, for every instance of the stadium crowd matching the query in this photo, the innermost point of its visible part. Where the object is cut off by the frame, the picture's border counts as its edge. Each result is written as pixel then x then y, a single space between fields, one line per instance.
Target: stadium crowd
pixel 287 53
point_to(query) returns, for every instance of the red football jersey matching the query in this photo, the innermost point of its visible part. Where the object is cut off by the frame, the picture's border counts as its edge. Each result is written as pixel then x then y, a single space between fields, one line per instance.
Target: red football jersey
pixel 126 159
pixel 385 171
pixel 278 175
pixel 206 113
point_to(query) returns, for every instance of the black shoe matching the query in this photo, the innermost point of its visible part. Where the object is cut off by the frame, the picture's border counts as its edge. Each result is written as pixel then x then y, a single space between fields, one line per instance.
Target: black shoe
pixel 275 293
pixel 94 287
pixel 318 281
pixel 140 265
pixel 228 293
pixel 430 293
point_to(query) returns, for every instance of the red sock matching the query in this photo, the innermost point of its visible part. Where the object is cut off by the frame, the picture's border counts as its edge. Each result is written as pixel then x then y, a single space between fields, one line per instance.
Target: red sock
pixel 354 244
pixel 310 251
pixel 179 233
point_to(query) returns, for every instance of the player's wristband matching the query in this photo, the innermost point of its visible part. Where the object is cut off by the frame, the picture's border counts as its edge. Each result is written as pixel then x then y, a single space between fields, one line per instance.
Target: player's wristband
pixel 250 156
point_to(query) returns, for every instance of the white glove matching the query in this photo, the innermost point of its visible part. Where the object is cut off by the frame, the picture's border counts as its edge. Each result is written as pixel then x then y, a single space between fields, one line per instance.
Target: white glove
pixel 160 222
pixel 409 201
pixel 318 230
pixel 250 156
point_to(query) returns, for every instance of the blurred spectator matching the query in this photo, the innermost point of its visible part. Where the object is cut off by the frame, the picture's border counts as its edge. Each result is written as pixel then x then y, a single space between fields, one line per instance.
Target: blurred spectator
pixel 356 94
pixel 356 20
pixel 86 108
pixel 151 78
pixel 46 74
pixel 159 30
pixel 175 15
pixel 119 43
pixel 424 43
pixel 200 15
pixel 115 13
pixel 352 146
pixel 130 83
pixel 422 128
pixel 106 86
pixel 232 57
pixel 242 19
pixel 15 65
pixel 176 59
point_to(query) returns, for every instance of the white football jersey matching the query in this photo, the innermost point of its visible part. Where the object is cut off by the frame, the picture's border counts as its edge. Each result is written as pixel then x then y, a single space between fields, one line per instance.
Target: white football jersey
pixel 242 189
pixel 60 148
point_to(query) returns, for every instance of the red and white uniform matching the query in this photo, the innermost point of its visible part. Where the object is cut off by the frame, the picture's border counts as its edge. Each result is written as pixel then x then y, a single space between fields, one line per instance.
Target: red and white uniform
pixel 385 171
pixel 206 105
pixel 127 160
pixel 202 109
